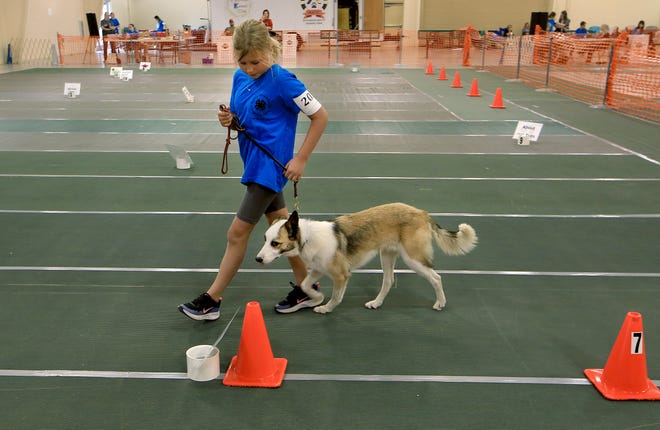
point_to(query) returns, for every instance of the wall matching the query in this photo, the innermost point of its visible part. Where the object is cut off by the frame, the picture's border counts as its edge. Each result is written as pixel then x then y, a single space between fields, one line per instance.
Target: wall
pixel 286 15
pixel 481 14
pixel 615 13
pixel 38 19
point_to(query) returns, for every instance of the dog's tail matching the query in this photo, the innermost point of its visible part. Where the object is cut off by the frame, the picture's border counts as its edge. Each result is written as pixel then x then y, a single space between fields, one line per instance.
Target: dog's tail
pixel 455 242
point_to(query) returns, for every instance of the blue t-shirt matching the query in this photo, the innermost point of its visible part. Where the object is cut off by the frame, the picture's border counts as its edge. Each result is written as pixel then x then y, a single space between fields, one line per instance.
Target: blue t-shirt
pixel 581 32
pixel 115 23
pixel 265 107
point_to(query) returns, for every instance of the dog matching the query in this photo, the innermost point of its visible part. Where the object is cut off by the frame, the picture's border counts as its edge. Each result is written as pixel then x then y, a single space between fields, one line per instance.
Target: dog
pixel 336 248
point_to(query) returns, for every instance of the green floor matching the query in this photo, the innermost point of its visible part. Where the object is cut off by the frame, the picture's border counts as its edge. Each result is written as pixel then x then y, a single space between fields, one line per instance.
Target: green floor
pixel 103 237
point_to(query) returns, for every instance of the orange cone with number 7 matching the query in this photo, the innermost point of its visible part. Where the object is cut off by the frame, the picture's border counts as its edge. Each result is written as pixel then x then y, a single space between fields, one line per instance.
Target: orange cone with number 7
pixel 624 376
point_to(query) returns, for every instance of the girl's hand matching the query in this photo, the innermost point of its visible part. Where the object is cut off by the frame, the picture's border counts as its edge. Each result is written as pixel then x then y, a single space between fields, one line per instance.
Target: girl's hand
pixel 294 169
pixel 225 117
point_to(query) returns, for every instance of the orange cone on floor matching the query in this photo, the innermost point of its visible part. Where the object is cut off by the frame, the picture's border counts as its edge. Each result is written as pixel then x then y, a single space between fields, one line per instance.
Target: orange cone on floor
pixel 624 376
pixel 497 101
pixel 457 81
pixel 429 68
pixel 474 90
pixel 442 76
pixel 254 366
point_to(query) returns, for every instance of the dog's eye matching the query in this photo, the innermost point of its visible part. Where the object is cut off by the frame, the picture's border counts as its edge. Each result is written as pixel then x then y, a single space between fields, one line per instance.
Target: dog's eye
pixel 274 243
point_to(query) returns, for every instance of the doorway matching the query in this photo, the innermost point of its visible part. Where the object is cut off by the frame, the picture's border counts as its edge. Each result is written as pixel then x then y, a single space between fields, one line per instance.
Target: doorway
pixel 393 18
pixel 348 13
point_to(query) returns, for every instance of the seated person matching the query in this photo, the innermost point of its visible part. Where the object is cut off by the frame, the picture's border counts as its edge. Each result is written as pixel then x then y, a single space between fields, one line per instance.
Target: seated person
pixel 131 31
pixel 229 30
pixel 581 31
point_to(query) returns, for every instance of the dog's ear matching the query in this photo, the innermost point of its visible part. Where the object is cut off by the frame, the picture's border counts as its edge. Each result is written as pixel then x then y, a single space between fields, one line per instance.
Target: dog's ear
pixel 292 226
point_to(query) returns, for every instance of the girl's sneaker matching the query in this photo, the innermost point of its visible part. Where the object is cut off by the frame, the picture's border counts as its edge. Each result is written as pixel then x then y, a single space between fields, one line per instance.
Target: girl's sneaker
pixel 297 299
pixel 202 308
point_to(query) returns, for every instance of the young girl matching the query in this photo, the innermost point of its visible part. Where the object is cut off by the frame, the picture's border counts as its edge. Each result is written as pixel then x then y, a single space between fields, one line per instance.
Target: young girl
pixel 266 100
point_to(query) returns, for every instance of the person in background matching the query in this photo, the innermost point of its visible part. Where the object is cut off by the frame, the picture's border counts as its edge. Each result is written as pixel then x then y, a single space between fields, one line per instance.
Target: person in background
pixel 525 29
pixel 229 30
pixel 266 100
pixel 581 31
pixel 131 30
pixel 265 18
pixel 508 31
pixel 107 29
pixel 552 25
pixel 160 24
pixel 604 32
pixel 564 22
pixel 639 29
pixel 133 45
pixel 115 22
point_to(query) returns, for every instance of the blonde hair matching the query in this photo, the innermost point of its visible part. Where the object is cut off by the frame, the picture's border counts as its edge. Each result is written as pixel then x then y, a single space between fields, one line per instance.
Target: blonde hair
pixel 252 35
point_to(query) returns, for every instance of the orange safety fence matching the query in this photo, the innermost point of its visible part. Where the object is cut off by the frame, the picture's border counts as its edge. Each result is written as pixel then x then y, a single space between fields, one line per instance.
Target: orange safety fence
pixel 633 86
pixel 621 73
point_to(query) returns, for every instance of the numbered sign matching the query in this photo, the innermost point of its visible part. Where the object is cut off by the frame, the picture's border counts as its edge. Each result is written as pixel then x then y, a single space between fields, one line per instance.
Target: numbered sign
pixel 72 89
pixel 530 130
pixel 636 343
pixel 126 75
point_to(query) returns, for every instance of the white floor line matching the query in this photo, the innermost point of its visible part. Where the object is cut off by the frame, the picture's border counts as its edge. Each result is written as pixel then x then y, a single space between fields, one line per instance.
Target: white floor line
pixel 333 214
pixel 359 271
pixel 353 178
pixel 308 377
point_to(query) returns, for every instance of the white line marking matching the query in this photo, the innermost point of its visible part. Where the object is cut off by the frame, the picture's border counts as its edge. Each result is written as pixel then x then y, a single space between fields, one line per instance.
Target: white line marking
pixel 359 271
pixel 309 377
pixel 332 214
pixel 353 178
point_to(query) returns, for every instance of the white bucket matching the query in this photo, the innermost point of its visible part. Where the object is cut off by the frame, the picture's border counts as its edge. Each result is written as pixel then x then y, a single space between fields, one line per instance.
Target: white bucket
pixel 203 362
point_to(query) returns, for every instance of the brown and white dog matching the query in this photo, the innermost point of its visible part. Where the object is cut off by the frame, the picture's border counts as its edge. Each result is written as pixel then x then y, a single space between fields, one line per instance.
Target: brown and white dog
pixel 336 248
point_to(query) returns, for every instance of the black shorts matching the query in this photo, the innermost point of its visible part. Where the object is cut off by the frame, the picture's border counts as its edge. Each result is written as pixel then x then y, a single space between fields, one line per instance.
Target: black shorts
pixel 257 201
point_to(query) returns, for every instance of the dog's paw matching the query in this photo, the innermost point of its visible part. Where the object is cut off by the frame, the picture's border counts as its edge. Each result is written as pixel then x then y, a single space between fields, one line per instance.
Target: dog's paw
pixel 438 306
pixel 322 309
pixel 374 304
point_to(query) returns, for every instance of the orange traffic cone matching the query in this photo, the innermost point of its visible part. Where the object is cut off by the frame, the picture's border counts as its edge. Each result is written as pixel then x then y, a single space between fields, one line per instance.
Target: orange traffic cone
pixel 429 68
pixel 497 101
pixel 474 91
pixel 442 76
pixel 624 376
pixel 457 81
pixel 254 366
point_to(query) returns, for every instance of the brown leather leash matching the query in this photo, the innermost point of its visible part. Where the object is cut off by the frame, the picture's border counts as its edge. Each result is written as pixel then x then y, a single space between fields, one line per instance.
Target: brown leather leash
pixel 235 125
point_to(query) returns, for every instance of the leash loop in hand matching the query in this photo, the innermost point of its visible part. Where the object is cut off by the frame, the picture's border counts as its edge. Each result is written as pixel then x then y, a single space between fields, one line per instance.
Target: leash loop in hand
pixel 233 126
